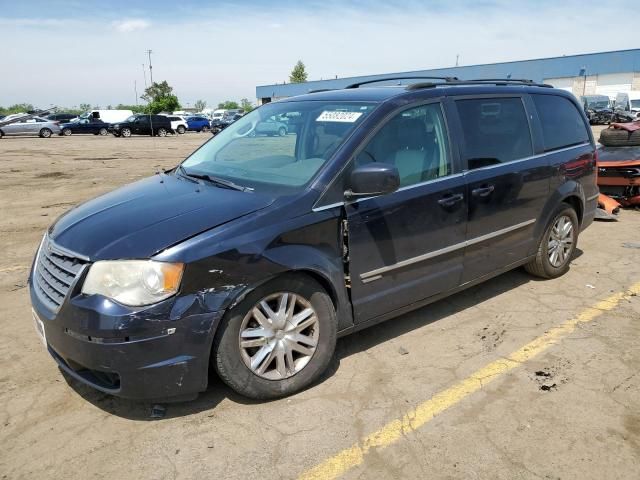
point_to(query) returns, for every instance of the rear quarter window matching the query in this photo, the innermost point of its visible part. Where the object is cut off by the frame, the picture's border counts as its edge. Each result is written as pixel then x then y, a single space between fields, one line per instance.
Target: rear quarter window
pixel 561 122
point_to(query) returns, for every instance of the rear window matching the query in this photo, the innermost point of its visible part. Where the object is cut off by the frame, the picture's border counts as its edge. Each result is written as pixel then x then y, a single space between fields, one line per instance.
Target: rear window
pixel 495 131
pixel 562 124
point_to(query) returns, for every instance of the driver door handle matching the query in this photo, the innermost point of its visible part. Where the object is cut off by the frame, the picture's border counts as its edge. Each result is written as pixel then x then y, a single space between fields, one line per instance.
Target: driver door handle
pixel 450 199
pixel 483 191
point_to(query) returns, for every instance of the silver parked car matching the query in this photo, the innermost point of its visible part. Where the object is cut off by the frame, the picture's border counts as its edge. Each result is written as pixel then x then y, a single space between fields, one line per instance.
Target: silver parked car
pixel 31 126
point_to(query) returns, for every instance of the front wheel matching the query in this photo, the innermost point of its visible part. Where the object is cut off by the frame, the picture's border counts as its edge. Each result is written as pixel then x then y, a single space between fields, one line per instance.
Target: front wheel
pixel 45 133
pixel 205 129
pixel 557 245
pixel 103 131
pixel 125 132
pixel 66 132
pixel 162 132
pixel 180 129
pixel 282 131
pixel 277 340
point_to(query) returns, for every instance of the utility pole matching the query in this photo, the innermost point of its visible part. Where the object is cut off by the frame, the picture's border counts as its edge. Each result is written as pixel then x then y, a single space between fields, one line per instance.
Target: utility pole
pixel 149 52
pixel 144 74
pixel 457 58
pixel 135 89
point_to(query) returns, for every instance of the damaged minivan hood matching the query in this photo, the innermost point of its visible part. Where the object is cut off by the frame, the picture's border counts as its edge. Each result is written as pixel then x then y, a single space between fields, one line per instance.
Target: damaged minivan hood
pixel 145 217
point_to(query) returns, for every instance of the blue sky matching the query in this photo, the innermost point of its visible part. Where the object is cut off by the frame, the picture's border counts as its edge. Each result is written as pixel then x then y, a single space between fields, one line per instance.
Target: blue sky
pixel 67 52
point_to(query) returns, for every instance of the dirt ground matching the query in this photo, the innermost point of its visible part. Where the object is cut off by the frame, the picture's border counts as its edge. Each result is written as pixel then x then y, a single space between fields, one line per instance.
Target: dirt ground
pixel 572 412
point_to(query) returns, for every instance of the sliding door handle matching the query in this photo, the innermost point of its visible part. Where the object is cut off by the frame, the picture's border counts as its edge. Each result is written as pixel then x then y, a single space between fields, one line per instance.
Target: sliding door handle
pixel 483 191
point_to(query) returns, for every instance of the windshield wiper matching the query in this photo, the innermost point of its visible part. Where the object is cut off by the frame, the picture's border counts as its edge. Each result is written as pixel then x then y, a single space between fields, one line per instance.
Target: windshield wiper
pixel 219 182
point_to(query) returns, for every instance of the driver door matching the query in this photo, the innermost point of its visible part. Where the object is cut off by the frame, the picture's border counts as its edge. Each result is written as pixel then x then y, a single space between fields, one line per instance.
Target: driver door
pixel 407 246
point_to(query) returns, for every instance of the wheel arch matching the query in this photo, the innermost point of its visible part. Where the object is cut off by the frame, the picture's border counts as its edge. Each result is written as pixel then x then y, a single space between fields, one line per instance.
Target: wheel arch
pixel 569 192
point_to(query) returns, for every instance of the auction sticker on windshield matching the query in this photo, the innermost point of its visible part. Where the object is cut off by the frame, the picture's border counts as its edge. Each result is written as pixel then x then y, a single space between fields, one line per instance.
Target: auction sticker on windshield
pixel 39 328
pixel 347 117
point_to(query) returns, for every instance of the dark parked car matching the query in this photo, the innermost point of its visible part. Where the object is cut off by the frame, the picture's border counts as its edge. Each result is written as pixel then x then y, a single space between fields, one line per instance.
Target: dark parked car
pixel 198 124
pixel 253 255
pixel 142 125
pixel 61 117
pixel 93 126
pixel 220 124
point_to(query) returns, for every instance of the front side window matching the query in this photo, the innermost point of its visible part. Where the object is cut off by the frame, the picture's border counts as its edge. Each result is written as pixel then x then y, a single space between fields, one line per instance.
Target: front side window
pixel 562 124
pixel 279 161
pixel 415 141
pixel 495 131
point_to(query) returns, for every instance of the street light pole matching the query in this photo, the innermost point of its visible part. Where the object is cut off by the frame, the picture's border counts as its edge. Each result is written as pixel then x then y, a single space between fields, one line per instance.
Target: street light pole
pixel 149 52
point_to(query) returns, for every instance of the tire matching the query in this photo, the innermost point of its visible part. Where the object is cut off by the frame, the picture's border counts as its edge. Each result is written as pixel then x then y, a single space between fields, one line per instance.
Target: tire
pixel 543 265
pixel 125 132
pixel 162 132
pixel 232 362
pixel 1 134
pixel 45 133
pixel 66 132
pixel 180 129
pixel 205 129
pixel 615 137
pixel 282 131
pixel 102 132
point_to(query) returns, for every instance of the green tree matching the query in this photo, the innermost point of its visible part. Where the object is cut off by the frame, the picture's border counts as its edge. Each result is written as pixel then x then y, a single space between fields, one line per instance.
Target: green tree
pixel 299 73
pixel 85 107
pixel 133 108
pixel 161 98
pixel 228 105
pixel 200 105
pixel 246 105
pixel 17 108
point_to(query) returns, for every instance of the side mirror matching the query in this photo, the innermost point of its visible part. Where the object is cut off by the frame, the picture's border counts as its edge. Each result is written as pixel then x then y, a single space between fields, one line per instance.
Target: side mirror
pixel 373 179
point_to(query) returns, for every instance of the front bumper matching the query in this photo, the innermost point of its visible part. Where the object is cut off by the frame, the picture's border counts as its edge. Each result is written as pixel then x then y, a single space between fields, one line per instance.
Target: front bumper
pixel 154 353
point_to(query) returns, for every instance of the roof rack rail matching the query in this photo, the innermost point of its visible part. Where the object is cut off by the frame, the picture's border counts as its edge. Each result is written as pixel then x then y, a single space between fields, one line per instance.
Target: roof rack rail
pixel 318 90
pixel 366 82
pixel 483 81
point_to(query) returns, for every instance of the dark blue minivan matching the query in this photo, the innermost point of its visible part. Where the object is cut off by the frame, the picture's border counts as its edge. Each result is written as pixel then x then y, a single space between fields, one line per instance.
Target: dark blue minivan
pixel 255 253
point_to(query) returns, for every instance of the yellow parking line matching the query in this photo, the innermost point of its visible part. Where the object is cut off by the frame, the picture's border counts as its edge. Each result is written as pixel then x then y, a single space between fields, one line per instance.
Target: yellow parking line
pixel 353 456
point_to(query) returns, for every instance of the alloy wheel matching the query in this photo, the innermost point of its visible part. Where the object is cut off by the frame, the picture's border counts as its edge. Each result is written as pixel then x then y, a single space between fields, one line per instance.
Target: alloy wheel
pixel 279 335
pixel 561 240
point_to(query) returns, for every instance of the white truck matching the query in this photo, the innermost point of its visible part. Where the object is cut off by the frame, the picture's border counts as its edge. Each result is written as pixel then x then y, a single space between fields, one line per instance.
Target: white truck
pixel 108 116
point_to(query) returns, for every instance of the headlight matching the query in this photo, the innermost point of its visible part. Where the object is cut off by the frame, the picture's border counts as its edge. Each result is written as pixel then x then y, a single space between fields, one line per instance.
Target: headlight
pixel 133 282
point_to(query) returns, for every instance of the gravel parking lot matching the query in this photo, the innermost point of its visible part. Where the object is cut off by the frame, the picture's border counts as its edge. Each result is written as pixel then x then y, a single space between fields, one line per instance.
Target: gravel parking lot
pixel 515 378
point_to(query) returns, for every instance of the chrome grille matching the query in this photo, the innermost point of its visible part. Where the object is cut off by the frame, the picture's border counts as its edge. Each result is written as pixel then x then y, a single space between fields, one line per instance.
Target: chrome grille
pixel 55 273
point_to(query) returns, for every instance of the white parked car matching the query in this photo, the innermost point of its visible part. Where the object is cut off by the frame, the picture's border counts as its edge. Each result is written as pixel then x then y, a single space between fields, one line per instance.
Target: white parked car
pixel 178 123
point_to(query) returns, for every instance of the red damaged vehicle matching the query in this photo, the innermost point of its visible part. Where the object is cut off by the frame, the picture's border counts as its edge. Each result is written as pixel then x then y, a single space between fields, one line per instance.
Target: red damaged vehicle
pixel 619 166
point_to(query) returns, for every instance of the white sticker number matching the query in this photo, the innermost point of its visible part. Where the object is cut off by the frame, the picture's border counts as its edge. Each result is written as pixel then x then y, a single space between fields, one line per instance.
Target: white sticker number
pixel 347 117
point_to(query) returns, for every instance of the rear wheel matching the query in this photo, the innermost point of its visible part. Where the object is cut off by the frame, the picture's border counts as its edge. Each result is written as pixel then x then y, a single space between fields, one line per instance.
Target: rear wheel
pixel 278 339
pixel 557 245
pixel 125 132
pixel 180 129
pixel 282 131
pixel 205 129
pixel 45 133
pixel 1 134
pixel 103 131
pixel 162 132
pixel 66 132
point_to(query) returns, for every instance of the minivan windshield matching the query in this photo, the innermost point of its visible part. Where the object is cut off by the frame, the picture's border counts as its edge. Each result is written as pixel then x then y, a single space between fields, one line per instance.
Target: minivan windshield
pixel 278 147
